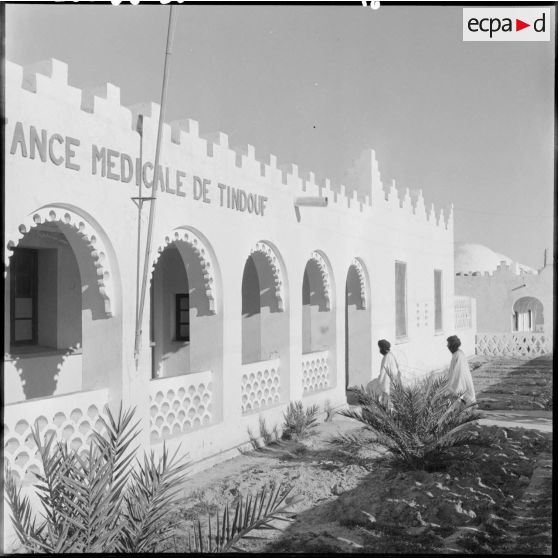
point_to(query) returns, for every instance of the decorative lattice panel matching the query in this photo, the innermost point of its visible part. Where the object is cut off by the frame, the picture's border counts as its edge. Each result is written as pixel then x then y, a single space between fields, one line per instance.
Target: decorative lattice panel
pixel 526 344
pixel 180 404
pixel 315 372
pixel 261 385
pixel 463 313
pixel 71 418
pixel 422 314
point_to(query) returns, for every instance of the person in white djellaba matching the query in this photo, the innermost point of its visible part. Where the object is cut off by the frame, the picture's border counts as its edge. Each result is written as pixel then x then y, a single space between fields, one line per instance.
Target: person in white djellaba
pixel 460 381
pixel 389 370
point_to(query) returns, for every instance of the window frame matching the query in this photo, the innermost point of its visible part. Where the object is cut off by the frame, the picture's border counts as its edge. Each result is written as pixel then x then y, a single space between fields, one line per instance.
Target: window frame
pixel 33 253
pixel 441 324
pixel 178 323
pixel 401 336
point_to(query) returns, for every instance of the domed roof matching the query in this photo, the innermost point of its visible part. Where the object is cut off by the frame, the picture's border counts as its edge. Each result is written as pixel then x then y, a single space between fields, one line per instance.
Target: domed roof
pixel 470 258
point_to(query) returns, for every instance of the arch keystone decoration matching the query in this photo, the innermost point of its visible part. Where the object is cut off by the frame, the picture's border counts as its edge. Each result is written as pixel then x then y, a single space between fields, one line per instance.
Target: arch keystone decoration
pixel 86 232
pixel 322 265
pixel 203 255
pixel 357 264
pixel 269 253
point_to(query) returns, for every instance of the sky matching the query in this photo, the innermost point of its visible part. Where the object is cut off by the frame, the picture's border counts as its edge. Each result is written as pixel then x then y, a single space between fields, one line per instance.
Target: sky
pixel 470 123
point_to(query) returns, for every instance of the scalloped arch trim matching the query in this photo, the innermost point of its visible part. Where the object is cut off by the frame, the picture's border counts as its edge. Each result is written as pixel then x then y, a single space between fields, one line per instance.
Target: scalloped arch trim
pixel 86 233
pixel 322 265
pixel 204 258
pixel 357 264
pixel 269 253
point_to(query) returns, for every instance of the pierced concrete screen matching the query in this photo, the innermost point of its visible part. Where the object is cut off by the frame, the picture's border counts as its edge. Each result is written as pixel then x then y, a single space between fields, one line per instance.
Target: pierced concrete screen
pixel 400 300
pixel 437 300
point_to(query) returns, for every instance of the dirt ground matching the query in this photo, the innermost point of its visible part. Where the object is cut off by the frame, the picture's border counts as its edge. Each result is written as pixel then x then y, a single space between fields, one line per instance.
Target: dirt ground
pixel 484 499
pixel 360 502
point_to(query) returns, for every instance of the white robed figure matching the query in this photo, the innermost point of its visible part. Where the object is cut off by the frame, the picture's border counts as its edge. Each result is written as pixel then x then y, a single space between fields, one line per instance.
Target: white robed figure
pixel 460 381
pixel 389 370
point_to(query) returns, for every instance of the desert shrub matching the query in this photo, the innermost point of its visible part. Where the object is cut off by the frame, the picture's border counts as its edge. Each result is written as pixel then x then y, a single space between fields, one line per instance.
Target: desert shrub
pixel 545 399
pixel 417 425
pixel 254 440
pixel 269 437
pixel 298 421
pixel 104 499
pixel 329 411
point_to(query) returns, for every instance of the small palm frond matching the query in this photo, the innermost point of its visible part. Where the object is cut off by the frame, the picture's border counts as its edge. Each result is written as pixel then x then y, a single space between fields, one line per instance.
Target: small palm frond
pixel 58 463
pixel 30 534
pixel 151 495
pixel 250 514
pixel 298 422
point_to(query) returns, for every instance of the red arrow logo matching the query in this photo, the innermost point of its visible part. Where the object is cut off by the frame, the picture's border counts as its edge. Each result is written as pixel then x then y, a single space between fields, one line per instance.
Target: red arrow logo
pixel 519 25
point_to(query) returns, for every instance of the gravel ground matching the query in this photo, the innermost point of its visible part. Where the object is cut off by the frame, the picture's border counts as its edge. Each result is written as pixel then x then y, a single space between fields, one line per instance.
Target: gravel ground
pixel 512 383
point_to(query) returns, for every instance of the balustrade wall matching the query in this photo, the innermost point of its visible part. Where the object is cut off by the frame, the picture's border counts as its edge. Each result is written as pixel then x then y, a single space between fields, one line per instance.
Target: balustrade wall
pixel 315 372
pixel 261 385
pixel 180 404
pixel 527 344
pixel 69 417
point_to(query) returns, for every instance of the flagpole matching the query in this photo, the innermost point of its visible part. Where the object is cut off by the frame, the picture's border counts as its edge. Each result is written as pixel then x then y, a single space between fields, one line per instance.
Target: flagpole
pixel 149 240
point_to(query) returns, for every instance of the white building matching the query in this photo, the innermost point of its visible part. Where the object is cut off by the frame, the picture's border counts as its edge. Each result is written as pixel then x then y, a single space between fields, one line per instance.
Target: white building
pixel 255 299
pixel 514 301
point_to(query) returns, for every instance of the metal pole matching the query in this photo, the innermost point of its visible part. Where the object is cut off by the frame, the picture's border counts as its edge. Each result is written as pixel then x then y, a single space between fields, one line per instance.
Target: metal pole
pixel 140 207
pixel 137 344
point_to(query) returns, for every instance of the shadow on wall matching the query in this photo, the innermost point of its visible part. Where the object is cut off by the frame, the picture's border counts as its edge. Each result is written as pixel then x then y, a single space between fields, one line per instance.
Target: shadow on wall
pixel 199 300
pixel 313 290
pixel 353 291
pixel 91 298
pixel 258 286
pixel 40 374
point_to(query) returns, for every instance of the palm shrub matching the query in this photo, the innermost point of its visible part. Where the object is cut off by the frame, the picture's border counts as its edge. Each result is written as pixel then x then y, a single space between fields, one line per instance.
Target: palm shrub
pixel 545 399
pixel 104 499
pixel 417 425
pixel 225 530
pixel 99 499
pixel 298 421
pixel 269 437
pixel 329 411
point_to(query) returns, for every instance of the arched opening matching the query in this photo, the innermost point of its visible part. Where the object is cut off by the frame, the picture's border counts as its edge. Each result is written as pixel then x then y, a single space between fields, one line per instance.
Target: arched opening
pixel 263 321
pixel 183 324
pixel 265 330
pixel 186 336
pixel 357 328
pixel 318 326
pixel 528 315
pixel 316 314
pixel 61 337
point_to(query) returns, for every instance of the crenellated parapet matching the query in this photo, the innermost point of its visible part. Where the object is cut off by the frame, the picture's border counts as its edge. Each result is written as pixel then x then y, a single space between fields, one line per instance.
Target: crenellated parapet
pixel 361 192
pixel 503 269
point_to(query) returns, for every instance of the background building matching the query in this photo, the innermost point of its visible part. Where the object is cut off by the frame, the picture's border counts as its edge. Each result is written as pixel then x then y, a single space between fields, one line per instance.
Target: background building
pixel 514 301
